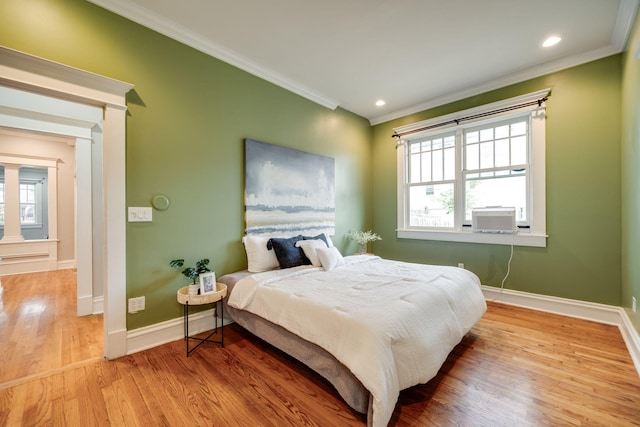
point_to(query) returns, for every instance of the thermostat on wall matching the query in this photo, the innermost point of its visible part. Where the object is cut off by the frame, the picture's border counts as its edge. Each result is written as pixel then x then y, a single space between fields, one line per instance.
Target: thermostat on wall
pixel 160 202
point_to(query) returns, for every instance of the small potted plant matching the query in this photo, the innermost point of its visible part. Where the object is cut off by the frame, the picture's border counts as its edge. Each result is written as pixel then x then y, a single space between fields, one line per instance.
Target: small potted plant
pixel 362 238
pixel 192 272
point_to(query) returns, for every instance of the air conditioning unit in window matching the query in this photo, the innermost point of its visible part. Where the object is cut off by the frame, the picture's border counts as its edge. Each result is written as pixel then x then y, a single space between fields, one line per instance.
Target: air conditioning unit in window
pixel 493 220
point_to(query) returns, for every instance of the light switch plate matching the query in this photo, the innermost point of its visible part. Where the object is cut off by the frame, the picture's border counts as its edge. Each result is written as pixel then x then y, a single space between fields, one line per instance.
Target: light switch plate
pixel 140 215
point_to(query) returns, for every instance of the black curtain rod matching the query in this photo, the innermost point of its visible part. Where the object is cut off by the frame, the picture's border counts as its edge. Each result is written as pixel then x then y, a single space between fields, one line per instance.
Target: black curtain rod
pixel 475 116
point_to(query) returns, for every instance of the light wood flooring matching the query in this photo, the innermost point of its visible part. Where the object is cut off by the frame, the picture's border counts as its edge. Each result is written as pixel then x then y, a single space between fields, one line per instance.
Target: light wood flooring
pixel 39 329
pixel 516 367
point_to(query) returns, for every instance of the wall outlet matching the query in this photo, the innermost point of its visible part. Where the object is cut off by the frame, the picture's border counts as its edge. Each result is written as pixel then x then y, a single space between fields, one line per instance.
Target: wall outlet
pixel 633 304
pixel 136 304
pixel 460 265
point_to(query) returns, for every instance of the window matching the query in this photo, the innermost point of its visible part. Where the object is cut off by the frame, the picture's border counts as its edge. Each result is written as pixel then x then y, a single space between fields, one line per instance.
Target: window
pixel 487 156
pixel 28 203
pixel 496 167
pixel 29 196
pixel 432 174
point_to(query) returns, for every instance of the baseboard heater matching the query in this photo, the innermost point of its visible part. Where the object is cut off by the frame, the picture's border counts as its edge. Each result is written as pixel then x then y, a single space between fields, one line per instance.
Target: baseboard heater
pixel 493 220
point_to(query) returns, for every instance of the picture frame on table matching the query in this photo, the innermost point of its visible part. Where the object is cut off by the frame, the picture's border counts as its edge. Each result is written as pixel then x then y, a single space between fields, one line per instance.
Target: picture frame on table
pixel 208 283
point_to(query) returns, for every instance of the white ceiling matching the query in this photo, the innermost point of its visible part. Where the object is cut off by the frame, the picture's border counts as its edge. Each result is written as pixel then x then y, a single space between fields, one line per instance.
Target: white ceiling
pixel 414 54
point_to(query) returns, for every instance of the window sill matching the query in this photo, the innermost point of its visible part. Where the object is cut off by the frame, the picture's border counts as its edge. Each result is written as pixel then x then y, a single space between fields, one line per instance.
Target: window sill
pixel 519 239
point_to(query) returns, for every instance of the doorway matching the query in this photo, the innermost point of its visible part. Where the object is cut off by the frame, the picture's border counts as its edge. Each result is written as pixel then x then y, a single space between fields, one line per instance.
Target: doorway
pixel 41 303
pixel 62 100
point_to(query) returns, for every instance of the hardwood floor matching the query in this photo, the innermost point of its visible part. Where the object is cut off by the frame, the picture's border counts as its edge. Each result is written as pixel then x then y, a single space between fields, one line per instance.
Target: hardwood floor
pixel 39 330
pixel 516 367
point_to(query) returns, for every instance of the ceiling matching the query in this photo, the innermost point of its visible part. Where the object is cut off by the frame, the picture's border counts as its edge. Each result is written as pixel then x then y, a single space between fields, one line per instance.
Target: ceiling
pixel 414 54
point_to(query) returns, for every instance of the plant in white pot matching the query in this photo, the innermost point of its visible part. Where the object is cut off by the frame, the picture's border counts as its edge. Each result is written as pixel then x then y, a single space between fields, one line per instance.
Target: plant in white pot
pixel 362 238
pixel 192 272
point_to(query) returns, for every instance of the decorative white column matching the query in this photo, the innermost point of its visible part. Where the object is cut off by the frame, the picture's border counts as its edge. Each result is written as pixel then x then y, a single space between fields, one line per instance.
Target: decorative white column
pixel 84 228
pixel 12 231
pixel 52 197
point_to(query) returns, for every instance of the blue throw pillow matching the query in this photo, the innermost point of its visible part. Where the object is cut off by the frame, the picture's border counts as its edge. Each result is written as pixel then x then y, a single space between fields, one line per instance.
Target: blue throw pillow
pixel 320 236
pixel 287 253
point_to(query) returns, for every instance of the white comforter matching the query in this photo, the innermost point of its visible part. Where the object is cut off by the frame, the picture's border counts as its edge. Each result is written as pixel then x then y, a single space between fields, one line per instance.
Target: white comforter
pixel 393 324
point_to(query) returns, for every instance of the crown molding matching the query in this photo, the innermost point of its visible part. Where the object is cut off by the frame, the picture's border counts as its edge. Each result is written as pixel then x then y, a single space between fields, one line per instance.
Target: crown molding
pixel 162 25
pixel 624 23
pixel 530 73
pixel 136 13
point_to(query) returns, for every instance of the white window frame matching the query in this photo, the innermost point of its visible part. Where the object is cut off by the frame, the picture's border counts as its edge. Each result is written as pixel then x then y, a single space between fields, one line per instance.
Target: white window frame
pixel 536 234
pixel 37 204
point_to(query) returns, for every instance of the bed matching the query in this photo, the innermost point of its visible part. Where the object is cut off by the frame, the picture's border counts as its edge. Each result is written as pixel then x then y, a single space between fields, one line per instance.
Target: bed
pixel 370 326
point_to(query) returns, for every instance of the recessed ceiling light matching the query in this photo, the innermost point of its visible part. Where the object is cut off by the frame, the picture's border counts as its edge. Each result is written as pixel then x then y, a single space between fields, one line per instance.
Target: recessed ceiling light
pixel 380 103
pixel 551 41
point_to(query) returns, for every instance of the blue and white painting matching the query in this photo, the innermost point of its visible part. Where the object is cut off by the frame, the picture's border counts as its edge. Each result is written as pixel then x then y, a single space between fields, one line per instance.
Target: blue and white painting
pixel 288 192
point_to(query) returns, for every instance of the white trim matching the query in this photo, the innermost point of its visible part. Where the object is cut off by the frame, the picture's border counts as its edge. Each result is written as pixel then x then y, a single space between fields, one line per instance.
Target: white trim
pixel 505 103
pixel 531 73
pixel 98 305
pixel 162 25
pixel 28 72
pixel 601 313
pixel 171 330
pixel 84 304
pixel 624 22
pixel 536 235
pixel 538 174
pixel 48 162
pixel 117 339
pixel 66 264
pixel 28 256
pixel 83 216
pixel 80 90
pixel 520 239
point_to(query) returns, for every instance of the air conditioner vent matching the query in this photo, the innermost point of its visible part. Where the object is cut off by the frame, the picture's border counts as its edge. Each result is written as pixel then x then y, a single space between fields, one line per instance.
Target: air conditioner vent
pixel 493 220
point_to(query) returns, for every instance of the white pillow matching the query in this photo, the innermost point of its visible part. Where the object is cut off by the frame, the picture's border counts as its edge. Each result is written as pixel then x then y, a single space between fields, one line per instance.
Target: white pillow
pixel 309 248
pixel 330 258
pixel 259 258
pixel 329 242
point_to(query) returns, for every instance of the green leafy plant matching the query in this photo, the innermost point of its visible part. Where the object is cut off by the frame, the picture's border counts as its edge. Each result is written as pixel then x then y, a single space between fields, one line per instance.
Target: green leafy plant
pixel 192 272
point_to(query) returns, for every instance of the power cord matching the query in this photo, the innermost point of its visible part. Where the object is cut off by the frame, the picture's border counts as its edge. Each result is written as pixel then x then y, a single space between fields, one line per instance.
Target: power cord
pixel 508 268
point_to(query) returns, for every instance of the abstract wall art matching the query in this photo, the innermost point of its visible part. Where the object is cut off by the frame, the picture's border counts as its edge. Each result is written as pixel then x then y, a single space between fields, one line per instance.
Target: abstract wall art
pixel 287 191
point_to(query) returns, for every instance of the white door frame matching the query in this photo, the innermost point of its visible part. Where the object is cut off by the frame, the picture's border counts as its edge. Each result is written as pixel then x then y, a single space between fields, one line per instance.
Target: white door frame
pixel 81 92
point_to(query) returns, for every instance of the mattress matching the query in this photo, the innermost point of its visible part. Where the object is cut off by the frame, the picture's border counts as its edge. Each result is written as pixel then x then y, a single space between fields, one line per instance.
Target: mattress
pixel 322 362
pixel 389 324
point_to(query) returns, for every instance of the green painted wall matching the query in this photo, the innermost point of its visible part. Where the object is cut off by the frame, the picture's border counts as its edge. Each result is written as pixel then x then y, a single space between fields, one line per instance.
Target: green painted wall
pixel 582 257
pixel 631 174
pixel 188 117
pixel 189 114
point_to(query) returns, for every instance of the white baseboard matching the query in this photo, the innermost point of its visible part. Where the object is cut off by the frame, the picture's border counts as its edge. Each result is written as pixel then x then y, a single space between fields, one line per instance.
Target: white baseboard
pixel 116 344
pixel 64 265
pixel 84 305
pixel 98 305
pixel 601 313
pixel 170 330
